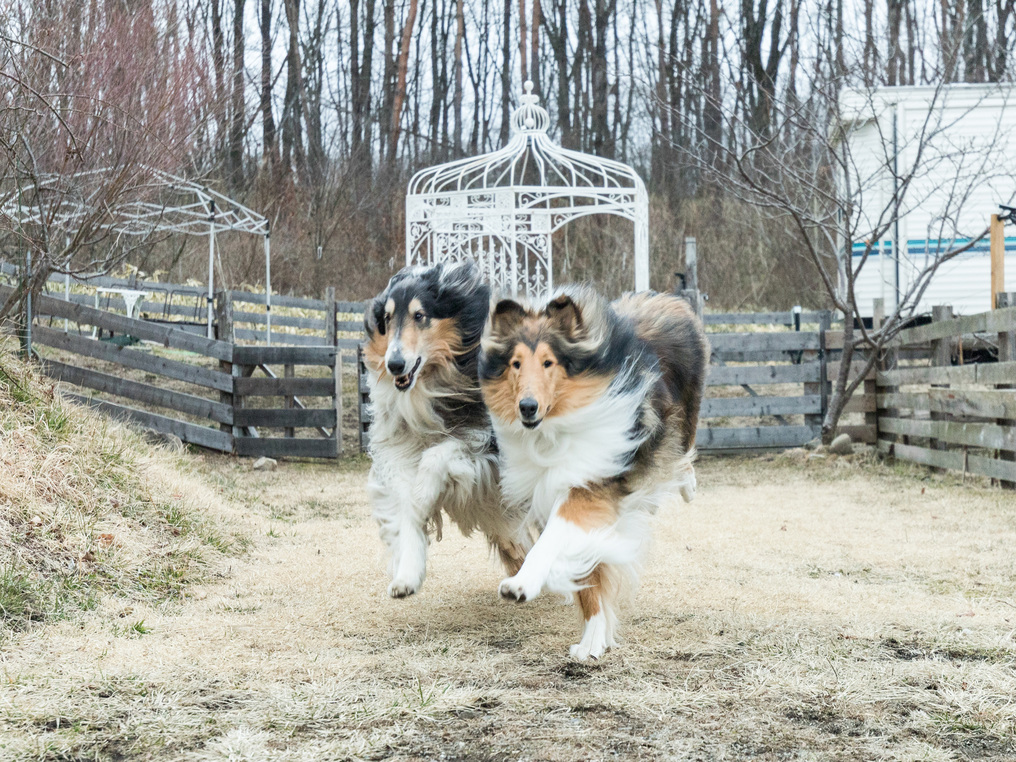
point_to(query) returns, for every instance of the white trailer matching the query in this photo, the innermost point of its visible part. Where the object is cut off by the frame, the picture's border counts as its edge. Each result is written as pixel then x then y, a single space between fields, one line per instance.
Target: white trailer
pixel 950 154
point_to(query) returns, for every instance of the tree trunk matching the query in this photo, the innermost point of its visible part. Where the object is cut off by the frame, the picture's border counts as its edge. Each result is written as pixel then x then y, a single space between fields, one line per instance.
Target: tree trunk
pixel 270 148
pixel 238 117
pixel 506 75
pixel 400 83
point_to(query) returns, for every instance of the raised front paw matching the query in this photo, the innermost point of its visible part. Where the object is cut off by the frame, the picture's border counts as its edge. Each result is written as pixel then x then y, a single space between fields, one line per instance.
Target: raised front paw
pixel 689 488
pixel 514 589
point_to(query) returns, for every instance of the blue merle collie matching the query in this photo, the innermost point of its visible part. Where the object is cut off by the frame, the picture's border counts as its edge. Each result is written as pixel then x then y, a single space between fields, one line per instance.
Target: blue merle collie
pixel 431 440
pixel 595 407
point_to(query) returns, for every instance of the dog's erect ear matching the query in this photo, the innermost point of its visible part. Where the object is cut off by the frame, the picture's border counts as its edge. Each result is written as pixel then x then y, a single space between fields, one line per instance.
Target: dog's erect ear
pixel 374 316
pixel 506 315
pixel 565 314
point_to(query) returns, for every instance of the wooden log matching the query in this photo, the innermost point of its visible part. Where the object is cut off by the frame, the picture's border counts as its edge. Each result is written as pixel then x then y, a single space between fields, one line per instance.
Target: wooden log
pixel 734 407
pixel 280 387
pixel 132 358
pixel 272 447
pixel 150 395
pixel 753 437
pixel 735 375
pixel 202 436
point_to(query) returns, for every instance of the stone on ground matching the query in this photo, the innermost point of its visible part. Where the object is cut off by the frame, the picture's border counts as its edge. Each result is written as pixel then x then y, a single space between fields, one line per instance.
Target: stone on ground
pixel 264 464
pixel 842 445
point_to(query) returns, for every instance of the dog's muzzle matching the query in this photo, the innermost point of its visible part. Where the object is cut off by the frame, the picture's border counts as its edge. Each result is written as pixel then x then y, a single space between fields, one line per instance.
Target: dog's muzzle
pixel 405 380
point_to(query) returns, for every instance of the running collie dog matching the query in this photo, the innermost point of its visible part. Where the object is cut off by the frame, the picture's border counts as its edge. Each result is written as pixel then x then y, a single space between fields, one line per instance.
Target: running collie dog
pixel 595 407
pixel 431 441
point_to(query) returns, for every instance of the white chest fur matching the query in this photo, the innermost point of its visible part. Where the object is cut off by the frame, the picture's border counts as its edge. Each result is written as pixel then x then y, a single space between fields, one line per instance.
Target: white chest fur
pixel 594 443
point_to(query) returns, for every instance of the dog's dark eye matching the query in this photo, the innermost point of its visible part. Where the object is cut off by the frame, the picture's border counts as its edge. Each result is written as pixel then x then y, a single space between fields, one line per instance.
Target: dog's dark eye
pixel 388 318
pixel 547 363
pixel 516 364
pixel 418 317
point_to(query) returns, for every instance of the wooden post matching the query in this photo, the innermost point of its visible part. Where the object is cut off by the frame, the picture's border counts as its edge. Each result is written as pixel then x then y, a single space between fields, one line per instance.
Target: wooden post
pixel 690 264
pixel 338 401
pixel 941 356
pixel 331 316
pixel 870 385
pixel 224 332
pixel 1006 353
pixel 997 239
pixel 288 401
pixel 822 387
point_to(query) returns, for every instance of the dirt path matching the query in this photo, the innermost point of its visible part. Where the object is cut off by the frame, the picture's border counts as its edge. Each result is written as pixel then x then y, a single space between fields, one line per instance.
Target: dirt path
pixel 790 612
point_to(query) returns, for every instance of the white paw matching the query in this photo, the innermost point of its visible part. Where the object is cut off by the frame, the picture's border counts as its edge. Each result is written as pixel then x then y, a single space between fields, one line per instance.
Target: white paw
pixel 596 638
pixel 584 651
pixel 515 589
pixel 402 589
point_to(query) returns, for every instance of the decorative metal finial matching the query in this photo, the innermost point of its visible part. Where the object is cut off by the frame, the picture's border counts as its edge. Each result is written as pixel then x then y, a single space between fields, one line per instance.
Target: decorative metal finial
pixel 530 116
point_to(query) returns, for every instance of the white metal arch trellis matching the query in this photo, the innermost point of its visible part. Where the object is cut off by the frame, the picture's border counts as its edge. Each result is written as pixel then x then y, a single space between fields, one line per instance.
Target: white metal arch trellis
pixel 502 208
pixel 158 203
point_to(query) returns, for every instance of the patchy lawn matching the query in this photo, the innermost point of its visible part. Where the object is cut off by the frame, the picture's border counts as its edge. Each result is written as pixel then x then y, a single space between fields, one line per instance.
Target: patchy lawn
pixel 825 611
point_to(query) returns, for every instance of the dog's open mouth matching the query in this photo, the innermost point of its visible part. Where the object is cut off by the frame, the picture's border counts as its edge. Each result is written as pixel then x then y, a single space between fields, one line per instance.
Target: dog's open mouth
pixel 532 424
pixel 402 383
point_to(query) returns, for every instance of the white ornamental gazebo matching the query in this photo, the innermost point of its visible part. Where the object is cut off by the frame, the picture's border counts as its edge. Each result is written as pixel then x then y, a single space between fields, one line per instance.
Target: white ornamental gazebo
pixel 502 208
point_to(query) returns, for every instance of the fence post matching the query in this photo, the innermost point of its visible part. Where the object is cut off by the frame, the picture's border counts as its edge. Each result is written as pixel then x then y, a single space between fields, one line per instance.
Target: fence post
pixel 288 401
pixel 224 332
pixel 870 384
pixel 690 264
pixel 338 401
pixel 331 316
pixel 1006 353
pixel 822 387
pixel 997 249
pixel 941 356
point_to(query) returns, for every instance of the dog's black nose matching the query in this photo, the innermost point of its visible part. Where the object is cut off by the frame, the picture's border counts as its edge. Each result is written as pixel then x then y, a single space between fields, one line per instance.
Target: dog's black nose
pixel 396 365
pixel 529 407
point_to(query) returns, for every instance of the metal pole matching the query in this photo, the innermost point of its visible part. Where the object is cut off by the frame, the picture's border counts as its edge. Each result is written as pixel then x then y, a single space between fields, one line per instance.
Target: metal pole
pixel 268 285
pixel 211 269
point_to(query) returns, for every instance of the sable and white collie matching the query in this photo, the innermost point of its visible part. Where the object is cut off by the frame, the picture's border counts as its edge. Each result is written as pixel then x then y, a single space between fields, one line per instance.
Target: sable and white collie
pixel 430 436
pixel 595 407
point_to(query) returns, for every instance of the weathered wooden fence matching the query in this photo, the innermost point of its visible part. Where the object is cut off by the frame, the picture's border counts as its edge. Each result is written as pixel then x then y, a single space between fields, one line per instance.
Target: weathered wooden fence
pixel 960 417
pixel 193 381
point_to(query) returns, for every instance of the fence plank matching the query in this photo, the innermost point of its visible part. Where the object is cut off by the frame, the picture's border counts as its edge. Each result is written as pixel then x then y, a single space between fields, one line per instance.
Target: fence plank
pixel 1003 470
pixel 316 324
pixel 990 436
pixel 286 447
pixel 285 417
pixel 188 432
pixel 948 374
pixel 911 400
pixel 924 456
pixel 284 355
pixel 983 322
pixel 743 318
pixel 754 437
pixel 716 407
pixel 994 404
pixel 860 403
pixel 103 382
pixel 281 387
pixel 788 341
pixel 132 358
pixel 160 333
pixel 996 372
pixel 735 375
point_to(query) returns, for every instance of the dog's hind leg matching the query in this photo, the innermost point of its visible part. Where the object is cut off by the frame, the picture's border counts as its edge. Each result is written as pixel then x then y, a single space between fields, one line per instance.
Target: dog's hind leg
pixel 597 616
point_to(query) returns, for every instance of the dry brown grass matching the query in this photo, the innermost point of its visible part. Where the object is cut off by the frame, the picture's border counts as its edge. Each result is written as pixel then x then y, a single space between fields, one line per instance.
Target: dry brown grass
pixel 832 611
pixel 87 509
